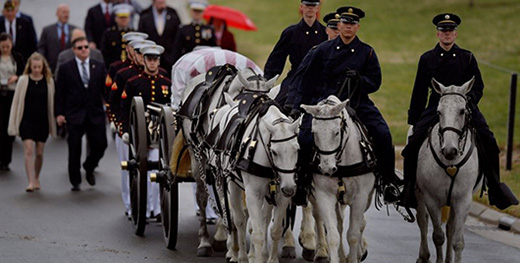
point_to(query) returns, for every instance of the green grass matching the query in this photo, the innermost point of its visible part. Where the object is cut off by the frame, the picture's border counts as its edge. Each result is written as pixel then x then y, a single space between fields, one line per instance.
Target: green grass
pixel 400 31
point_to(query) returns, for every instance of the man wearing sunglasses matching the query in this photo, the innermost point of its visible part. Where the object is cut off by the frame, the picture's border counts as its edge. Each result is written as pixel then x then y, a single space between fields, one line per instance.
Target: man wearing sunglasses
pixel 348 68
pixel 450 65
pixel 295 41
pixel 79 105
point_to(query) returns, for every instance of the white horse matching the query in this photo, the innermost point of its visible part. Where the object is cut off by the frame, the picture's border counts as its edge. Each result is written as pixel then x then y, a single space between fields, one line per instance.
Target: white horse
pixel 343 179
pixel 275 148
pixel 195 134
pixel 447 173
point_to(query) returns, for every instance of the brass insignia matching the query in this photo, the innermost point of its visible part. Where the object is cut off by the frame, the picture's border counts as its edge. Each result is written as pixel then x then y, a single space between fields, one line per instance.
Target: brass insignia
pixel 210 73
pixel 337 16
pixel 350 10
pixel 447 17
pixel 244 102
pixel 114 86
pixel 108 81
pixel 123 95
pixel 452 170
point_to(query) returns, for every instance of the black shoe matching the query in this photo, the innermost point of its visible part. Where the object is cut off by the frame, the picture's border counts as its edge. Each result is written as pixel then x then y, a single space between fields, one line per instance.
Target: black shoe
pixel 75 188
pixel 300 198
pixel 391 194
pixel 408 197
pixel 90 175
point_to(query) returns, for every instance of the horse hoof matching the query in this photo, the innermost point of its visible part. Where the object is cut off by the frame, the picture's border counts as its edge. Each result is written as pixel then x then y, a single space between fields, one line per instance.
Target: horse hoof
pixel 321 260
pixel 364 256
pixel 219 246
pixel 307 254
pixel 204 252
pixel 288 252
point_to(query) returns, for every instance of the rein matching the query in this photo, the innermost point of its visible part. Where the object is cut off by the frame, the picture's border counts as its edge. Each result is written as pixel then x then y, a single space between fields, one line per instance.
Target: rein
pixel 342 143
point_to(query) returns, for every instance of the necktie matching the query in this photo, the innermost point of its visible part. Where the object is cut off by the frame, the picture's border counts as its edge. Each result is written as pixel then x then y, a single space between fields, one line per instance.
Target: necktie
pixel 107 15
pixel 84 74
pixel 11 29
pixel 62 37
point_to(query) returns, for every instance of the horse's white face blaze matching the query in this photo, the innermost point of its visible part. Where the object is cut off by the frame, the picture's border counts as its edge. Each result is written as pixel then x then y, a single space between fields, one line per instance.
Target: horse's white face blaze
pixel 327 137
pixel 452 114
pixel 284 153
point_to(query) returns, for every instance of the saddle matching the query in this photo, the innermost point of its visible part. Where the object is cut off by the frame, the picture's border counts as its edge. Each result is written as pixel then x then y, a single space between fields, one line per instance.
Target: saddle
pixel 198 101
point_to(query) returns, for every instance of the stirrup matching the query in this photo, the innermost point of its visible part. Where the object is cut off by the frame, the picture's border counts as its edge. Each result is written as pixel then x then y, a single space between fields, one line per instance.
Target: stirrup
pixel 405 212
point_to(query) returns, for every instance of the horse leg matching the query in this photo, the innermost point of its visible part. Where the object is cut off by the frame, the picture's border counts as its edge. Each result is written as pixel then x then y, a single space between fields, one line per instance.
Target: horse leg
pixel 240 221
pixel 422 222
pixel 460 212
pixel 220 237
pixel 322 253
pixel 307 233
pixel 449 239
pixel 326 209
pixel 357 222
pixel 340 217
pixel 277 227
pixel 204 249
pixel 288 249
pixel 438 234
pixel 257 218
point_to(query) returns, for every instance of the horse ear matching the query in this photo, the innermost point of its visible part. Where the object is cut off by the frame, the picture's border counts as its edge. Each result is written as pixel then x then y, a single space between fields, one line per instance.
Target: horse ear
pixel 242 79
pixel 312 110
pixel 229 100
pixel 295 126
pixel 466 87
pixel 270 83
pixel 336 109
pixel 436 86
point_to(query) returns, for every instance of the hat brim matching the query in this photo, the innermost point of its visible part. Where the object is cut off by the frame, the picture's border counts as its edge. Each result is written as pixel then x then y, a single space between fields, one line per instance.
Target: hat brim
pixel 310 3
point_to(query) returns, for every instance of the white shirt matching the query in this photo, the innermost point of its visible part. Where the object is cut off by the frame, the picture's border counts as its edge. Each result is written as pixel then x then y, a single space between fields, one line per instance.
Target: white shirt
pixel 13 26
pixel 104 7
pixel 160 20
pixel 78 63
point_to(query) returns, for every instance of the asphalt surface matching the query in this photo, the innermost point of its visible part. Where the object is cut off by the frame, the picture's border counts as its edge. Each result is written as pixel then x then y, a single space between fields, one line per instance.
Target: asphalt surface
pixel 57 225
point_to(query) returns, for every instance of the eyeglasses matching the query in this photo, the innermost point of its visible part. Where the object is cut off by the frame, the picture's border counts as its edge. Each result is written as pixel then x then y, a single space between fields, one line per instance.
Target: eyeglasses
pixel 82 47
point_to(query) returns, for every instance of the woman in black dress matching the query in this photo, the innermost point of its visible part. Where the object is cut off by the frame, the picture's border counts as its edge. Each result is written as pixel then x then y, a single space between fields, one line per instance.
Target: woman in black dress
pixel 32 115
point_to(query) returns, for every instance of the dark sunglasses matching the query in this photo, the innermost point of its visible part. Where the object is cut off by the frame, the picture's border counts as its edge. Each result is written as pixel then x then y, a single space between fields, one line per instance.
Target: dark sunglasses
pixel 82 47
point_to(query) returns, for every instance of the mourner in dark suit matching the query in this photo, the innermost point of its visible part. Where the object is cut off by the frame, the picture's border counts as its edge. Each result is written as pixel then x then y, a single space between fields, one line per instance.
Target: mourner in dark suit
pixel 68 54
pixel 195 33
pixel 112 45
pixel 56 37
pixel 333 62
pixel 22 30
pixel 161 25
pixel 79 104
pixel 450 65
pixel 295 41
pixel 20 14
pixel 99 18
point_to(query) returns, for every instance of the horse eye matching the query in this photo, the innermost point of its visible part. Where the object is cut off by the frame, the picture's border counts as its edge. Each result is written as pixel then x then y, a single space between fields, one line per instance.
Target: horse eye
pixel 274 153
pixel 461 112
pixel 336 133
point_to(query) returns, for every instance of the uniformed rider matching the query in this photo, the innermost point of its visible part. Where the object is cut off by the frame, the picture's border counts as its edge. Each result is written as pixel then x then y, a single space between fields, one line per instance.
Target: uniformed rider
pixel 450 65
pixel 112 45
pixel 348 68
pixel 295 41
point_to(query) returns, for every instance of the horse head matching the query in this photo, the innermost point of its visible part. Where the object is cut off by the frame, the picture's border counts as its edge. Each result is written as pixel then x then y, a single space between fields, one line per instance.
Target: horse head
pixel 453 114
pixel 327 124
pixel 281 141
pixel 248 80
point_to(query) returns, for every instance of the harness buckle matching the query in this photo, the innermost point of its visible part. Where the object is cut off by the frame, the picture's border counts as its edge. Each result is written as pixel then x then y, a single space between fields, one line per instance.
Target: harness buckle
pixel 273 187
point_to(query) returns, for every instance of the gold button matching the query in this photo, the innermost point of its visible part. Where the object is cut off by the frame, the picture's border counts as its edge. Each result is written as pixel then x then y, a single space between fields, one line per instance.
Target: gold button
pixel 153 81
pixel 352 50
pixel 197 34
pixel 316 32
pixel 197 41
pixel 197 27
pixel 337 47
pixel 442 54
pixel 153 92
pixel 153 87
pixel 307 32
pixel 244 102
pixel 454 55
pixel 153 99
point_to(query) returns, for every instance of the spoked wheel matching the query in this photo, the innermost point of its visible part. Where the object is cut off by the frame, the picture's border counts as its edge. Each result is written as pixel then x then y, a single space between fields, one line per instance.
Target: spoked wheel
pixel 170 187
pixel 138 175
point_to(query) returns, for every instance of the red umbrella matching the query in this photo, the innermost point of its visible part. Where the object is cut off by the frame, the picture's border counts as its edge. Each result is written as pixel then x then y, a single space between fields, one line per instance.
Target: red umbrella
pixel 233 17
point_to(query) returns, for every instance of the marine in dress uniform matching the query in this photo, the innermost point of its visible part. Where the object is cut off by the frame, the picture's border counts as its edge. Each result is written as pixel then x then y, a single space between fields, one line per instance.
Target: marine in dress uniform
pixel 450 65
pixel 347 59
pixel 295 41
pixel 194 34
pixel 112 45
pixel 152 86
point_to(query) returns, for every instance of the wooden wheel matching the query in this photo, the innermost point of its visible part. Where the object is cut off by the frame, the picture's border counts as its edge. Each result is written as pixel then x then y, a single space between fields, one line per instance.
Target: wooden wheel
pixel 169 187
pixel 138 175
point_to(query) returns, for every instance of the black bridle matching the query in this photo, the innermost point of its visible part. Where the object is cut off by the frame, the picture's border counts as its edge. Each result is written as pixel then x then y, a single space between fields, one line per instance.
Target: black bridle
pixel 342 143
pixel 461 132
pixel 272 141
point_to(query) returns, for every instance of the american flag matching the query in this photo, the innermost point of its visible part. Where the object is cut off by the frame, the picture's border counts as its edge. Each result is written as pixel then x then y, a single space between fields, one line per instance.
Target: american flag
pixel 200 61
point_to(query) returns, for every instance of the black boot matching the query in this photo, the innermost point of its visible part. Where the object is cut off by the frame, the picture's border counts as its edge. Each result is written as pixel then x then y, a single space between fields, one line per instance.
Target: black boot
pixel 303 186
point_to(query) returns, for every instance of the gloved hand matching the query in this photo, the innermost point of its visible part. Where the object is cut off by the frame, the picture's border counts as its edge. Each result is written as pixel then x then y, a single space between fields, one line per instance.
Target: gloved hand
pixel 295 113
pixel 353 74
pixel 126 138
pixel 113 127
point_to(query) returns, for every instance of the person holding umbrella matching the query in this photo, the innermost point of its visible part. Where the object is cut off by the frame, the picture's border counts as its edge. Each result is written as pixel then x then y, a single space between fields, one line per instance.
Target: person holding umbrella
pixel 225 38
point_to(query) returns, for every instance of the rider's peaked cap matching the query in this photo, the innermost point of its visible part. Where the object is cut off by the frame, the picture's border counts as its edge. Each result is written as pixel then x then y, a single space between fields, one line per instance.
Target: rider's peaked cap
pixel 446 21
pixel 350 14
pixel 152 51
pixel 331 19
pixel 311 2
